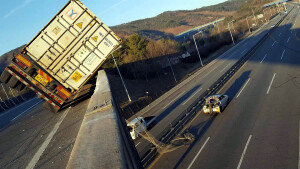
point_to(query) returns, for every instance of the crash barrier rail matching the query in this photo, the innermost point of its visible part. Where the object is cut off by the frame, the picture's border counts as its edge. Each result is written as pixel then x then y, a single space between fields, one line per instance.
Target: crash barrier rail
pixel 103 140
pixel 170 132
pixel 14 101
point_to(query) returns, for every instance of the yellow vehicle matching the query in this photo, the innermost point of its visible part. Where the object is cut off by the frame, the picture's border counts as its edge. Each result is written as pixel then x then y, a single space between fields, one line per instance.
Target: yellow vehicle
pixel 215 104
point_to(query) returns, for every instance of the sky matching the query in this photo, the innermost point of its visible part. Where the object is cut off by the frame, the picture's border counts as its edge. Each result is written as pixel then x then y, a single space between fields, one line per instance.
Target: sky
pixel 21 20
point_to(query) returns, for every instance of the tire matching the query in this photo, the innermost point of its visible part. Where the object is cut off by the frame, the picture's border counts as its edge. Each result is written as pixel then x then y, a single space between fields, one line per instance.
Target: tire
pixel 13 82
pixel 5 76
pixel 20 87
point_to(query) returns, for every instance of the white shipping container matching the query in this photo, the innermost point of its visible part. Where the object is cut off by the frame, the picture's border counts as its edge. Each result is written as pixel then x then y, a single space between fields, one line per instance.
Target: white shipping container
pixel 73 45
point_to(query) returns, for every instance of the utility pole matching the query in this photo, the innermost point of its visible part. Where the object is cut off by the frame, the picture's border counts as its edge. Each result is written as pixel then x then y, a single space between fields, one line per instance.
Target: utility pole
pixel 172 70
pixel 231 34
pixel 248 23
pixel 254 17
pixel 197 48
pixel 265 15
pixel 232 25
pixel 121 75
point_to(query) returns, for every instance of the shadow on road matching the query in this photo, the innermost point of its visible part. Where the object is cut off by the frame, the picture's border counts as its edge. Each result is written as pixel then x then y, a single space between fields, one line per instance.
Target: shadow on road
pixel 176 103
pixel 238 84
pixel 199 129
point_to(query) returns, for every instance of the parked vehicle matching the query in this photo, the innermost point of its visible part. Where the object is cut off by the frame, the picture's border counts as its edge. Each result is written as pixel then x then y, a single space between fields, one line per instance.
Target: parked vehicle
pixel 140 125
pixel 215 104
pixel 63 56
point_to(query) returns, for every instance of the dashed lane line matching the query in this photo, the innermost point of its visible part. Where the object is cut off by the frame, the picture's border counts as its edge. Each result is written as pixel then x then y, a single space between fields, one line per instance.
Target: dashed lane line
pixel 198 153
pixel 40 151
pixel 244 152
pixel 243 88
pixel 271 83
pixel 264 58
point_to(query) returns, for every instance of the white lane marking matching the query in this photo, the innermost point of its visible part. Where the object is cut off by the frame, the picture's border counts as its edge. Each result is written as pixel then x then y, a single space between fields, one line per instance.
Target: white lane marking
pixel 243 88
pixel 288 40
pixel 137 143
pixel 264 58
pixel 191 96
pixel 225 67
pixel 25 111
pixel 244 152
pixel 172 101
pixel 282 54
pixel 198 153
pixel 271 83
pixel 243 51
pixel 211 71
pixel 273 43
pixel 39 153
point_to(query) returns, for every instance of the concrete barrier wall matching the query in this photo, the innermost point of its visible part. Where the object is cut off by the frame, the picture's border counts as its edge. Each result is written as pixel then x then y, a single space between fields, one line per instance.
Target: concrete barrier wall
pixel 103 141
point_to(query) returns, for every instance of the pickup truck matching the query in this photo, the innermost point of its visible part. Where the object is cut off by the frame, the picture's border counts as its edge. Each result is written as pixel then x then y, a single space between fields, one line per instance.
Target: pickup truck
pixel 140 125
pixel 63 56
pixel 215 104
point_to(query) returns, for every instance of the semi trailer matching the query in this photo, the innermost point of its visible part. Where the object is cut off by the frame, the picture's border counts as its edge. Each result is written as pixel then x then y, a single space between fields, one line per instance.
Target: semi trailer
pixel 63 56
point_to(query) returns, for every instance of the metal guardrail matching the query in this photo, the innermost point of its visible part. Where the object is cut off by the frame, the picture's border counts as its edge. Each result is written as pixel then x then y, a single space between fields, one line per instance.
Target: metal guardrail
pixel 14 101
pixel 192 110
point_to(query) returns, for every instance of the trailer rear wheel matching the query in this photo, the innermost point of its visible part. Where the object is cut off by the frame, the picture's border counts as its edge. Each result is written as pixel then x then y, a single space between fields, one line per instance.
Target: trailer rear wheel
pixel 20 87
pixel 13 82
pixel 5 76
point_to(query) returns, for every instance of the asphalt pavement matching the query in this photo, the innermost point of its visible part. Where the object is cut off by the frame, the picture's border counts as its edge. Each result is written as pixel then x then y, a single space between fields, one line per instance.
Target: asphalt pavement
pixel 171 105
pixel 32 136
pixel 260 126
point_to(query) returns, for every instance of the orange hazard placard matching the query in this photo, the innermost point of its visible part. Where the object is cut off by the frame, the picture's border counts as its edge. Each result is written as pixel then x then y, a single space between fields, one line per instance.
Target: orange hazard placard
pixel 49 79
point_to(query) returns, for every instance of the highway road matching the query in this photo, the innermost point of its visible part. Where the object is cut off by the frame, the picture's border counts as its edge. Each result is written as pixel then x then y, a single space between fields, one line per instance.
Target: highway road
pixel 31 136
pixel 169 106
pixel 260 127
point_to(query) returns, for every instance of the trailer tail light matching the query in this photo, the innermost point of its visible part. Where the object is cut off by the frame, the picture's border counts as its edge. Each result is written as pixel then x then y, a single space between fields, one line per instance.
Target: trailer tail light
pixel 62 92
pixel 22 59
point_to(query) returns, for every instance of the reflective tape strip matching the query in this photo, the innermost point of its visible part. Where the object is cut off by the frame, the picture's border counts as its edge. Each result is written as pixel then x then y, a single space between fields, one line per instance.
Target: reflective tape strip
pixel 36 91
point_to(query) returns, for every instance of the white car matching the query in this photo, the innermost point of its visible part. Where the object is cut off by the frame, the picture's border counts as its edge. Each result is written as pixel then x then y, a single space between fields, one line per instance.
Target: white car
pixel 139 126
pixel 215 104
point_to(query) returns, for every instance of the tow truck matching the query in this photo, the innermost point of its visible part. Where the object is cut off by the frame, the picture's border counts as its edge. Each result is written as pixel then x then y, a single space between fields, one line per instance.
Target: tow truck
pixel 215 104
pixel 139 126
